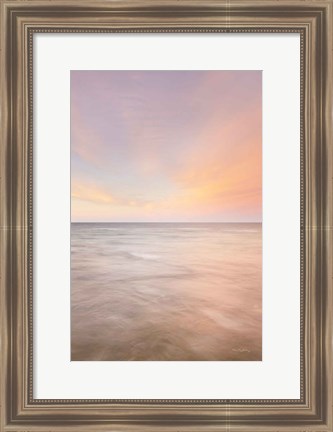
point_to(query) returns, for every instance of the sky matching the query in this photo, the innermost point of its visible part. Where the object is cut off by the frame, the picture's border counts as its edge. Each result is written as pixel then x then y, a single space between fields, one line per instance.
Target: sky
pixel 166 146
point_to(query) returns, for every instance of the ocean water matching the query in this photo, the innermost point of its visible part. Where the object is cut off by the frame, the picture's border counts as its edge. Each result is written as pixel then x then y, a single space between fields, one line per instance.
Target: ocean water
pixel 164 291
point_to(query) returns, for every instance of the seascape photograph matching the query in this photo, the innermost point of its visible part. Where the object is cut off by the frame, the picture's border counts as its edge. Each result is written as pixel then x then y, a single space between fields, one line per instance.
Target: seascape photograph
pixel 166 215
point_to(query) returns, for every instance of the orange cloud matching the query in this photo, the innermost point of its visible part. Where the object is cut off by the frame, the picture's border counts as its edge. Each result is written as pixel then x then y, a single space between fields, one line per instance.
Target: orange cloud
pixel 227 175
pixel 85 192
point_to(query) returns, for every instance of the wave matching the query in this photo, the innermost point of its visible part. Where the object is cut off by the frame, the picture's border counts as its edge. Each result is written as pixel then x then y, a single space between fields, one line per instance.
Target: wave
pixel 144 256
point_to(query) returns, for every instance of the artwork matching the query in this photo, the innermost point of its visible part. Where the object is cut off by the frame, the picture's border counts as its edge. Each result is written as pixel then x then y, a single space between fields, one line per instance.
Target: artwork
pixel 166 215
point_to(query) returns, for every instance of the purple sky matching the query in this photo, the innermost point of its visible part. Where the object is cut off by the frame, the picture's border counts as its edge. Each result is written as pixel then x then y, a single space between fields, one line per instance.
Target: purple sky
pixel 166 146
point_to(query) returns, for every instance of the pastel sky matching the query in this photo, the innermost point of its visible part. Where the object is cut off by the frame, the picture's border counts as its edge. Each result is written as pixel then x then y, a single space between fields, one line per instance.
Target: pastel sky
pixel 166 146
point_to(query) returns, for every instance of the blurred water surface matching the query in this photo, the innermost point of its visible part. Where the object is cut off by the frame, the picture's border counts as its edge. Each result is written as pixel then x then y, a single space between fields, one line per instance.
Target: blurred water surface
pixel 164 291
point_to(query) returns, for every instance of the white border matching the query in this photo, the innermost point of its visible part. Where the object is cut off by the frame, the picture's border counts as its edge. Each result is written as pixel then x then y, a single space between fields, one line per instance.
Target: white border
pixel 278 375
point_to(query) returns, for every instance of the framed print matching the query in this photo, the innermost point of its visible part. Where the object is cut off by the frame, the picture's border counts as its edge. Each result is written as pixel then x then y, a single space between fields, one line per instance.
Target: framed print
pixel 166 215
pixel 159 224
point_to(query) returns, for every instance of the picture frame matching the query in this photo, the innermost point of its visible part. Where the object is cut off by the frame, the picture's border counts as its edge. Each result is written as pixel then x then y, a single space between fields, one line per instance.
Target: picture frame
pixel 20 22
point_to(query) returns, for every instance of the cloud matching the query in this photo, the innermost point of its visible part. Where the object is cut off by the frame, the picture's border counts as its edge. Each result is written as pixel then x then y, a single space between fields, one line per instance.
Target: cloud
pixel 85 192
pixel 102 196
pixel 166 144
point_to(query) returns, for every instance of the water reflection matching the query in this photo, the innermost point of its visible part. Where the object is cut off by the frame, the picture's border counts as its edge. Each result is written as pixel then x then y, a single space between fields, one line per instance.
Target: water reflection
pixel 166 291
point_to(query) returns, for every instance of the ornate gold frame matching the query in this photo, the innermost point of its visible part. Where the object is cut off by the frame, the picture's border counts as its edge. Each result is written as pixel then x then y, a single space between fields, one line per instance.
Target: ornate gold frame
pixel 313 20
